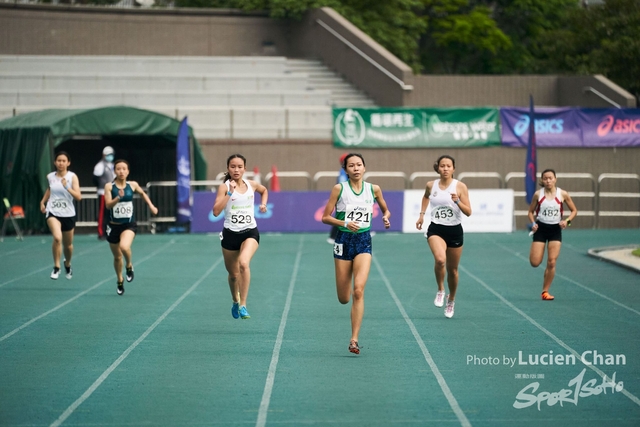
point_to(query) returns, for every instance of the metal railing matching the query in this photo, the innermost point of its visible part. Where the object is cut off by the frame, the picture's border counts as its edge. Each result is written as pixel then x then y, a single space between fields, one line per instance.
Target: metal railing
pixel 609 194
pixel 366 57
pixel 325 174
pixel 484 175
pixel 427 175
pixel 600 95
pixel 400 175
pixel 163 193
pixel 574 194
pixel 247 175
pixel 290 174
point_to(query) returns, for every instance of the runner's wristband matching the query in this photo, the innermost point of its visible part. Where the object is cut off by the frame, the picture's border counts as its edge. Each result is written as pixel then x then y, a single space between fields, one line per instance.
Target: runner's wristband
pixel 346 222
pixel 229 193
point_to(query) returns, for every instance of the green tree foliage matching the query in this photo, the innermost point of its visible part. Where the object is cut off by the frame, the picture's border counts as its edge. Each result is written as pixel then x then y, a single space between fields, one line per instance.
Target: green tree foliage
pixel 395 24
pixel 601 39
pixel 487 36
pixel 460 35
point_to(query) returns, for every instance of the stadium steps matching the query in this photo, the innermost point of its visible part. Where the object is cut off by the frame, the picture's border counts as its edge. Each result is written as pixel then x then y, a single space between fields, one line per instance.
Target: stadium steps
pixel 321 77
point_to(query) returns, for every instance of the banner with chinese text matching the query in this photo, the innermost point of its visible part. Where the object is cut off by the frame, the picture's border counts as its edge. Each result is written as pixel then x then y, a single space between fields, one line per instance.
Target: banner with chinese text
pixel 415 127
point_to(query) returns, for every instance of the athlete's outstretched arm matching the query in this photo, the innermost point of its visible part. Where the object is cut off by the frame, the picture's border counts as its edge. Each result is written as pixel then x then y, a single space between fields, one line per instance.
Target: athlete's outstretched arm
pixel 377 192
pixel 136 188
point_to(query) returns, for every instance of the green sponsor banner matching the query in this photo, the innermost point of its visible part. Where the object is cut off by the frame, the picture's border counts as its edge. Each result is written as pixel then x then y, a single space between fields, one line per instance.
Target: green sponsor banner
pixel 416 127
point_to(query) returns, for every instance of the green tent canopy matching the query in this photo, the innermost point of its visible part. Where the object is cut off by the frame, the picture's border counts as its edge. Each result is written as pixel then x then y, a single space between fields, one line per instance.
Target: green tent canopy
pixel 28 142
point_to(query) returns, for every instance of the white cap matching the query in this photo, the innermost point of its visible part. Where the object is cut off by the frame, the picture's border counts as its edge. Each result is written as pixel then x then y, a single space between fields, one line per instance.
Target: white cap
pixel 107 150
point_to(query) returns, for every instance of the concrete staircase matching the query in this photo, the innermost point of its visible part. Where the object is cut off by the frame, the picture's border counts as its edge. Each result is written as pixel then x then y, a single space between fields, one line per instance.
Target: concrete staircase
pixel 321 77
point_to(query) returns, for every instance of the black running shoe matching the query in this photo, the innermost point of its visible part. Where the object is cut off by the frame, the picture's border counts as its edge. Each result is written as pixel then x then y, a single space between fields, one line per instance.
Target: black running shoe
pixel 120 289
pixel 55 273
pixel 130 274
pixel 69 271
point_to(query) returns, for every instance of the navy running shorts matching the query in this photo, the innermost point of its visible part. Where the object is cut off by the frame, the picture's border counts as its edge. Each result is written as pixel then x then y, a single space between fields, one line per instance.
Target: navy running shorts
pixel 453 235
pixel 349 245
pixel 232 240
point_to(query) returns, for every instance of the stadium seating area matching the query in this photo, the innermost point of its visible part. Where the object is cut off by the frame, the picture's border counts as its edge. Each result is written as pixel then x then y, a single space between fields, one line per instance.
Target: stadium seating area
pixel 224 97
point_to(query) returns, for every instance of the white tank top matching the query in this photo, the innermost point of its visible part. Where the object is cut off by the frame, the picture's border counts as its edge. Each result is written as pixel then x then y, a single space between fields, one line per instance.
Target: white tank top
pixel 549 210
pixel 60 201
pixel 355 207
pixel 443 210
pixel 239 212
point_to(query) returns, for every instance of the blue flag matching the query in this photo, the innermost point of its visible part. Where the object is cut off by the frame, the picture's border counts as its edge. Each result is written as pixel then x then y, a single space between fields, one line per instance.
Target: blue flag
pixel 183 174
pixel 530 182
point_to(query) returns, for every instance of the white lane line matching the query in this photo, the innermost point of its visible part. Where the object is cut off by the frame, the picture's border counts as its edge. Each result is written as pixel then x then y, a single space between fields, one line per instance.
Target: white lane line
pixel 67 413
pixel 453 403
pixel 48 267
pixel 56 308
pixel 568 279
pixel 271 375
pixel 22 248
pixel 633 398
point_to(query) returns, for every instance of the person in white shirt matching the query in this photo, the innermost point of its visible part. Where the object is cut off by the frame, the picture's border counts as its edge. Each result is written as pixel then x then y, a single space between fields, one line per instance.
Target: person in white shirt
pixel 449 199
pixel 240 236
pixel 103 174
pixel 57 204
pixel 547 206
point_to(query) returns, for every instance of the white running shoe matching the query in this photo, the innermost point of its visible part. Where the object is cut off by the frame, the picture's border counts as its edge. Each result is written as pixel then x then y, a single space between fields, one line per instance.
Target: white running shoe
pixel 69 272
pixel 439 301
pixel 448 310
pixel 55 273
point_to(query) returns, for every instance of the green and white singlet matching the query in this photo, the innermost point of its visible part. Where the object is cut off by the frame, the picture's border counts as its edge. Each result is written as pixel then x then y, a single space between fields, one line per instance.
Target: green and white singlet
pixel 357 207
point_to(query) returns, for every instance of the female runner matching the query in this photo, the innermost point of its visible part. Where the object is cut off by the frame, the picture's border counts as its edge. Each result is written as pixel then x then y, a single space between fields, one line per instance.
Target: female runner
pixel 353 202
pixel 122 227
pixel 449 199
pixel 64 188
pixel 240 236
pixel 547 207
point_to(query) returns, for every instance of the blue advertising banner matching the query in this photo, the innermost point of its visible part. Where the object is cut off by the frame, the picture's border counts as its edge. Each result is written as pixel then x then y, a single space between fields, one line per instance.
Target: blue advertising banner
pixel 610 127
pixel 183 174
pixel 290 212
pixel 554 127
pixel 572 127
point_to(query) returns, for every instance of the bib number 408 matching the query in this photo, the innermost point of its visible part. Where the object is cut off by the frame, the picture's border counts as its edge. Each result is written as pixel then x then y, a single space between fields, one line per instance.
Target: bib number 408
pixel 123 211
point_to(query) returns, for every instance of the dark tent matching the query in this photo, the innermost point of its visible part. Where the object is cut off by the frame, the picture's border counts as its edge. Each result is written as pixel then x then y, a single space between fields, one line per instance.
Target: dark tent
pixel 28 141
